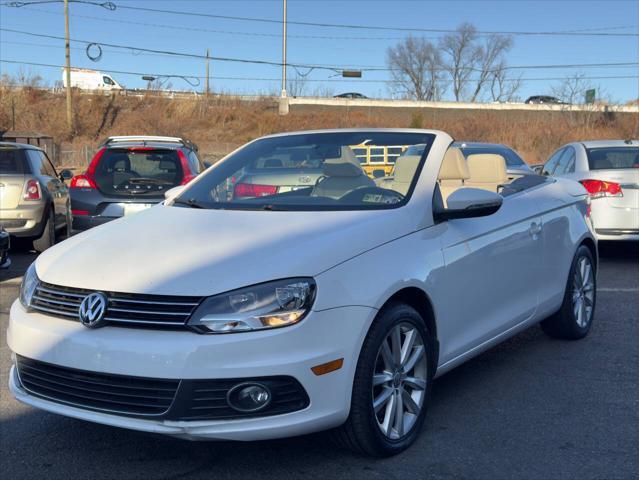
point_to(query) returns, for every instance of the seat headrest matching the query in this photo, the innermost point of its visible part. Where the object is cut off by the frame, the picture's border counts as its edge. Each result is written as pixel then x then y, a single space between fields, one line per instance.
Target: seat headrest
pixel 454 166
pixel 487 168
pixel 344 166
pixel 405 168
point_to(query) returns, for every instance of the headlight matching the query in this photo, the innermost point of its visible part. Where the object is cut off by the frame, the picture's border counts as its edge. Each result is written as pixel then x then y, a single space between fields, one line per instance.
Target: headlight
pixel 267 305
pixel 28 286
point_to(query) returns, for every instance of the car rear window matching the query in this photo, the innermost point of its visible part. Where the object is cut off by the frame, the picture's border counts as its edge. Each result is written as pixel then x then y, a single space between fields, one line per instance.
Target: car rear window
pixel 613 158
pixel 512 159
pixel 138 171
pixel 12 161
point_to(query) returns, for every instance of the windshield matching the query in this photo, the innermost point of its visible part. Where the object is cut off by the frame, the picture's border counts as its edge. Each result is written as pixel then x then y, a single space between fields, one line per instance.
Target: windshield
pixel 613 158
pixel 314 171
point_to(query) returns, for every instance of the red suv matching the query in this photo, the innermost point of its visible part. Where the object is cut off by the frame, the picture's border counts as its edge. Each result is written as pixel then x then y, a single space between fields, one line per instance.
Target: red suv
pixel 129 174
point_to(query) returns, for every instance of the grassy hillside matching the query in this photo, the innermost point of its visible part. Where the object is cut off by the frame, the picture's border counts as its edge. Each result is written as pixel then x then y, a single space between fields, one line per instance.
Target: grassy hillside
pixel 218 125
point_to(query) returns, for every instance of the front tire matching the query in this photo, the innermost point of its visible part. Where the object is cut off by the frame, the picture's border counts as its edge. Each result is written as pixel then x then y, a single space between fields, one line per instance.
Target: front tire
pixel 392 384
pixel 574 318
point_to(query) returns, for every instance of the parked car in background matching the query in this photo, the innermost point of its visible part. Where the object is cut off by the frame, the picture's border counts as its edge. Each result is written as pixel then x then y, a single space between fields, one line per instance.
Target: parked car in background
pixel 609 170
pixel 515 165
pixel 350 95
pixel 541 99
pixel 5 244
pixel 129 174
pixel 34 199
pixel 286 312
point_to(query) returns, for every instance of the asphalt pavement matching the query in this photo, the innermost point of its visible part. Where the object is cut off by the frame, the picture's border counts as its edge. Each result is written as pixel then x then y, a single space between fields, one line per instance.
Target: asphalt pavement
pixel 532 407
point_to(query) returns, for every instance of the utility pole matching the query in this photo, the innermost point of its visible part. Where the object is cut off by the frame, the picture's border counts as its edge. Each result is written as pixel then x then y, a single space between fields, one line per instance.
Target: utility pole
pixel 207 72
pixel 68 66
pixel 283 98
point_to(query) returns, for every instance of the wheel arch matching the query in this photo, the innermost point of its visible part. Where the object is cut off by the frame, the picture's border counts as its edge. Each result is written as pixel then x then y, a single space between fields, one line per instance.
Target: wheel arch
pixel 591 245
pixel 420 301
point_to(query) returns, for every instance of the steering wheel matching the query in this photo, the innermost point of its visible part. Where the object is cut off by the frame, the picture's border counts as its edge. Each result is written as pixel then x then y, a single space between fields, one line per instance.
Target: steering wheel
pixel 359 194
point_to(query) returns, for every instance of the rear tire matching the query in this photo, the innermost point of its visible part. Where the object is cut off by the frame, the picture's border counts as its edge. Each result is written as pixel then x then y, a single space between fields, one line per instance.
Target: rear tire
pixel 574 318
pixel 389 399
pixel 48 235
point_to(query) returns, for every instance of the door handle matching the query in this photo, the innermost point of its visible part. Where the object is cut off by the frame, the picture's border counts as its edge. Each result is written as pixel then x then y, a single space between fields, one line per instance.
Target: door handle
pixel 535 229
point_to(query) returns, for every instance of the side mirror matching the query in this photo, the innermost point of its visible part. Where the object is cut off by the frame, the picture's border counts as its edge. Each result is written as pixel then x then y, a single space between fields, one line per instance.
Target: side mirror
pixel 379 173
pixel 469 203
pixel 66 174
pixel 171 193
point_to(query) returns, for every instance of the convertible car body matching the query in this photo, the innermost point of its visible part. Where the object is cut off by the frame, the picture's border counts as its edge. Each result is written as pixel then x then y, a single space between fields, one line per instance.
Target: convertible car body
pixel 331 306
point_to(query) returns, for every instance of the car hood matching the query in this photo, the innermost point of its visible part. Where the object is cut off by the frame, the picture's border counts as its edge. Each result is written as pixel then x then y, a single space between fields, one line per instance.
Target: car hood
pixel 182 251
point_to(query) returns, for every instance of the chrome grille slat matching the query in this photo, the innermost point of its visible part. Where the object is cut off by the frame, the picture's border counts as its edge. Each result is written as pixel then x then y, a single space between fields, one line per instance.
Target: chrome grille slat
pixel 123 309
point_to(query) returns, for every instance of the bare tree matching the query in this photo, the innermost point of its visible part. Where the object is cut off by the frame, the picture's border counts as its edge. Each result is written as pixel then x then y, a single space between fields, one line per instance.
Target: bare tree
pixel 462 57
pixel 475 66
pixel 296 85
pixel 503 88
pixel 416 69
pixel 490 57
pixel 572 89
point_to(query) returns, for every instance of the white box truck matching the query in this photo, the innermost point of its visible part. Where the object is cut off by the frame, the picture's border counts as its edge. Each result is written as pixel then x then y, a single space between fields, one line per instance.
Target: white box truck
pixel 86 79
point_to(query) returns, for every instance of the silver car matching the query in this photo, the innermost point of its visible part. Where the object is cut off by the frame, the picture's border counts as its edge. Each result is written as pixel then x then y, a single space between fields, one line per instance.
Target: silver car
pixel 609 170
pixel 34 199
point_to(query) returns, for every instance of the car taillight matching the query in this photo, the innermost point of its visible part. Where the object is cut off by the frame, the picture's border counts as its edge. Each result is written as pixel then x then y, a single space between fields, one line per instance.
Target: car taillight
pixel 32 190
pixel 253 190
pixel 82 181
pixel 187 179
pixel 601 188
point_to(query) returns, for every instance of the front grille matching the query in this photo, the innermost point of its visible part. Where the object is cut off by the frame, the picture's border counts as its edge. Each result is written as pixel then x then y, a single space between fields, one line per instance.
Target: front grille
pixel 97 391
pixel 123 309
pixel 166 399
pixel 206 399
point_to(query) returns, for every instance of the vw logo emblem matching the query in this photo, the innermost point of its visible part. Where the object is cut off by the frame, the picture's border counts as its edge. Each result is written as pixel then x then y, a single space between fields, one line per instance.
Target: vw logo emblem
pixel 92 310
pixel 305 179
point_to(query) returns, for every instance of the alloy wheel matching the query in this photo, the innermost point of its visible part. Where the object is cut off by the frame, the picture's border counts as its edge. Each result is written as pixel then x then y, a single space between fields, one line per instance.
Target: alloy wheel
pixel 583 293
pixel 400 381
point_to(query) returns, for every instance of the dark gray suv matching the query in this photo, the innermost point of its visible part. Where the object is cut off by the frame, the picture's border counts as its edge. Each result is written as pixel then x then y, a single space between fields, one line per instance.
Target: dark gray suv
pixel 129 174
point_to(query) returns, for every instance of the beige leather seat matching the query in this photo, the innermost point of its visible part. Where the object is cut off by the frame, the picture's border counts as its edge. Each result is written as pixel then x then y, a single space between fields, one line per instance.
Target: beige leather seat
pixel 341 175
pixel 487 171
pixel 453 172
pixel 403 174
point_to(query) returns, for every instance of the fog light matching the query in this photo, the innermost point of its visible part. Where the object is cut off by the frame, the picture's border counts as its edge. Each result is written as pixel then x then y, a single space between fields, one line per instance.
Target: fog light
pixel 249 397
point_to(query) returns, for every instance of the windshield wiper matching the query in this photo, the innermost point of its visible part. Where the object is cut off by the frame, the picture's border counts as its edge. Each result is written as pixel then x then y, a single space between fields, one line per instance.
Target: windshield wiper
pixel 189 203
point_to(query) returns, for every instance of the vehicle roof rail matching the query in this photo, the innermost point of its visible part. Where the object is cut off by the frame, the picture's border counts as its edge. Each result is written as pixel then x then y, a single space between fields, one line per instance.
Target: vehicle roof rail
pixel 147 138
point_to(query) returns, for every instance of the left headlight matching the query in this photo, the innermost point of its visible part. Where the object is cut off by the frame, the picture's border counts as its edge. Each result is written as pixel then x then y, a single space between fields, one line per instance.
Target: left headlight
pixel 28 286
pixel 267 305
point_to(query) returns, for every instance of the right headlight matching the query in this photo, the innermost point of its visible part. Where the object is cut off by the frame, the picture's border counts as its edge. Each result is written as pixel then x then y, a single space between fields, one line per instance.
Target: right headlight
pixel 28 286
pixel 267 305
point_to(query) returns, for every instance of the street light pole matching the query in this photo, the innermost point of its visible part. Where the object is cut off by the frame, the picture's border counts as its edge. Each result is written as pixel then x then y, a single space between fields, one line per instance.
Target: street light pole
pixel 283 99
pixel 67 47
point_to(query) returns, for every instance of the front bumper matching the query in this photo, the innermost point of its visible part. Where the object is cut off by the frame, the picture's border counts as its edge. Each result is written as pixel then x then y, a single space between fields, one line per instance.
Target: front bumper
pixel 292 351
pixel 24 220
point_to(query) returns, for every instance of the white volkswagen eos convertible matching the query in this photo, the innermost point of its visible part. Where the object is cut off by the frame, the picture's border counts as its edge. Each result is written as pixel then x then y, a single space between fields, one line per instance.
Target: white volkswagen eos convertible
pixel 244 311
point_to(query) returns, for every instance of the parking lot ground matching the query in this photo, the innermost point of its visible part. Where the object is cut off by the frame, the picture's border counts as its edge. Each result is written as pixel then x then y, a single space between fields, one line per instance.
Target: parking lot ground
pixel 532 407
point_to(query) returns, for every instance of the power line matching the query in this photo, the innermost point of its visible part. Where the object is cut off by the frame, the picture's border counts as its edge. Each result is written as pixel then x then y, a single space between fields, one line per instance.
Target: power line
pixel 371 27
pixel 266 79
pixel 333 68
pixel 334 25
